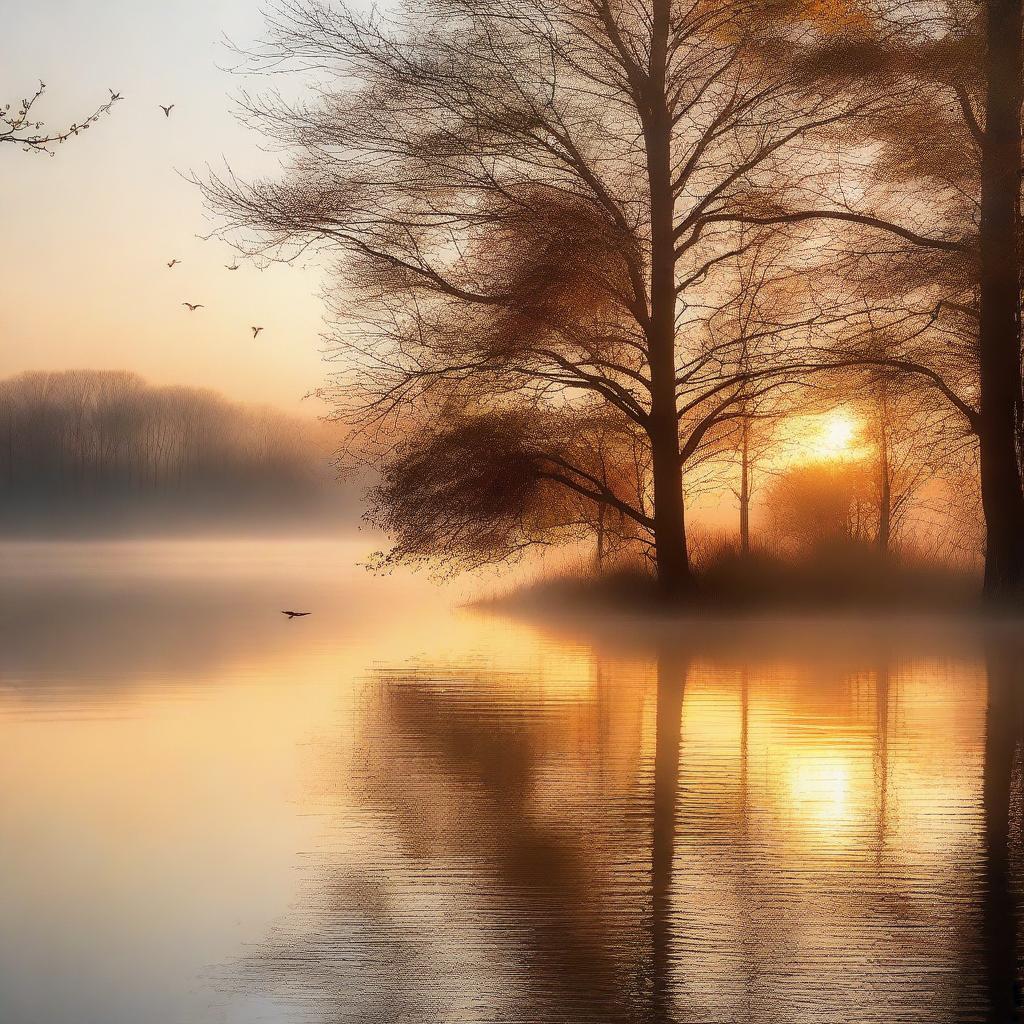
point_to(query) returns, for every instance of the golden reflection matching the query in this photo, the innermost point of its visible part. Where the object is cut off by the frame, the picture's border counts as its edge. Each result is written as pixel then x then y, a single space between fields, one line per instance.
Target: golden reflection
pixel 685 822
pixel 819 789
pixel 785 783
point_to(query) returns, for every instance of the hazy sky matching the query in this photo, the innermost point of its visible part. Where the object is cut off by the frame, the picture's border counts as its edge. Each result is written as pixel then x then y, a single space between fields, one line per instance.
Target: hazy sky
pixel 86 234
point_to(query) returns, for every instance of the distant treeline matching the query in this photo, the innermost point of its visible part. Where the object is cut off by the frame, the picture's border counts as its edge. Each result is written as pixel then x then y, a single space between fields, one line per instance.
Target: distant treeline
pixel 86 449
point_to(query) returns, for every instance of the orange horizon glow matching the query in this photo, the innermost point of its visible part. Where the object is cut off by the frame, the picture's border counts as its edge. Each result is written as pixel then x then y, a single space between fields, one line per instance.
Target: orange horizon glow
pixel 833 436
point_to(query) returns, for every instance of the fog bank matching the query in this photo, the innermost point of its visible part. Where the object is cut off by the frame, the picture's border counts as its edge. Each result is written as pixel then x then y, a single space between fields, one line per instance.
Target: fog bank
pixel 100 452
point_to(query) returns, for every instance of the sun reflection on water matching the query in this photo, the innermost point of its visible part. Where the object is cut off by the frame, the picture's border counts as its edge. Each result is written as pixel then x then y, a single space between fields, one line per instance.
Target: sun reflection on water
pixel 510 820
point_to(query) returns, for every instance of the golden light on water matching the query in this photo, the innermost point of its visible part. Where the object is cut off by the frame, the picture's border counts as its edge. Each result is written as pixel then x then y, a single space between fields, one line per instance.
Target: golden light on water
pixel 456 765
pixel 819 791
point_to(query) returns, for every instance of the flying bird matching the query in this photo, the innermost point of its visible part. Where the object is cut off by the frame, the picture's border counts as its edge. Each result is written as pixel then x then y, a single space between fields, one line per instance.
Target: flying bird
pixel 256 330
pixel 295 615
pixel 233 266
pixel 166 110
pixel 171 265
pixel 193 306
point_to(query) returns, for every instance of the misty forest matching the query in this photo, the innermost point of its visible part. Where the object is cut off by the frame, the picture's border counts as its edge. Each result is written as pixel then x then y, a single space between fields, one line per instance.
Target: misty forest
pixel 94 451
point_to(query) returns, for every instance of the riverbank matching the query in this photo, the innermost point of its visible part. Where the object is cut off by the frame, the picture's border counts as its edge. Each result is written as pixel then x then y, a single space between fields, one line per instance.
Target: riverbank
pixel 854 578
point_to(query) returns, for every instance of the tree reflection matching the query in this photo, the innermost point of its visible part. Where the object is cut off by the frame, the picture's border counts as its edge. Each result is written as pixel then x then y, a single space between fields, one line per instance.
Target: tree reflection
pixel 668 732
pixel 537 873
pixel 690 838
pixel 1004 724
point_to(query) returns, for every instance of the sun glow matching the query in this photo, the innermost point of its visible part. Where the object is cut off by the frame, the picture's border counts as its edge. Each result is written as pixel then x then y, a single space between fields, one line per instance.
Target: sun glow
pixel 832 436
pixel 838 432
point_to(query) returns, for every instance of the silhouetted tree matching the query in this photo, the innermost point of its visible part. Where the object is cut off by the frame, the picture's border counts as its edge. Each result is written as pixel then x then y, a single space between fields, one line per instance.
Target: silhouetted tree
pixel 910 449
pixel 756 307
pixel 943 187
pixel 535 206
pixel 999 341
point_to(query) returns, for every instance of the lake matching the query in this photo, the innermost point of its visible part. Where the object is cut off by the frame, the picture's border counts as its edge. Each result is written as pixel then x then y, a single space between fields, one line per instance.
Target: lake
pixel 400 810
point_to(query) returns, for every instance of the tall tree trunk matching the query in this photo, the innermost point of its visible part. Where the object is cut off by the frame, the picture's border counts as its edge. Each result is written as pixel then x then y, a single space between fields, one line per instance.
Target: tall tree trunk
pixel 999 335
pixel 745 489
pixel 10 448
pixel 669 526
pixel 884 488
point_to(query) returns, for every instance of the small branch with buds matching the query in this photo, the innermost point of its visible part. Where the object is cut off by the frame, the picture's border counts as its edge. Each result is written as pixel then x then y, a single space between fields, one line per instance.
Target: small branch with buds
pixel 18 126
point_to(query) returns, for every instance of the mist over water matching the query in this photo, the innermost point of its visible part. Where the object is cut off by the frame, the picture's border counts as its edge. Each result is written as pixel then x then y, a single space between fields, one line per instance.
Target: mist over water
pixel 400 810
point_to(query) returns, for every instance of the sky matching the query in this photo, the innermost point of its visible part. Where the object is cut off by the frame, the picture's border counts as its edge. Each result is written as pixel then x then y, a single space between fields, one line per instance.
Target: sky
pixel 87 234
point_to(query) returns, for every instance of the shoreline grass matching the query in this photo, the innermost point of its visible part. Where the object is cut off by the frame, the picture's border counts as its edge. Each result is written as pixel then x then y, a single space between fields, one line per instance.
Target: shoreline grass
pixel 850 577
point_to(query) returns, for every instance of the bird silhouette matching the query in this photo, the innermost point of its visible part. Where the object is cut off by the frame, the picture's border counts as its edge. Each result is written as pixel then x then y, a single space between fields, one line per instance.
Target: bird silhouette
pixel 232 266
pixel 193 306
pixel 172 264
pixel 256 330
pixel 114 95
pixel 295 615
pixel 166 110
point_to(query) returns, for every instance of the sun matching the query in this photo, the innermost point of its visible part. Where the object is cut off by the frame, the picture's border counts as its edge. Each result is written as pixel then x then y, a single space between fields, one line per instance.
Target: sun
pixel 833 436
pixel 838 431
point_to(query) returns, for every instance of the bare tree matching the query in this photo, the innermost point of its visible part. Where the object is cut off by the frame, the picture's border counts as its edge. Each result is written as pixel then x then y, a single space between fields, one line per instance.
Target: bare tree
pixel 758 307
pixel 999 339
pixel 943 188
pixel 909 449
pixel 534 207
pixel 18 124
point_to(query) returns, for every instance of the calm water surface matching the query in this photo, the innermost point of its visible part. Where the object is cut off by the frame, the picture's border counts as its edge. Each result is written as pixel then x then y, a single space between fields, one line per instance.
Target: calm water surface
pixel 398 811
